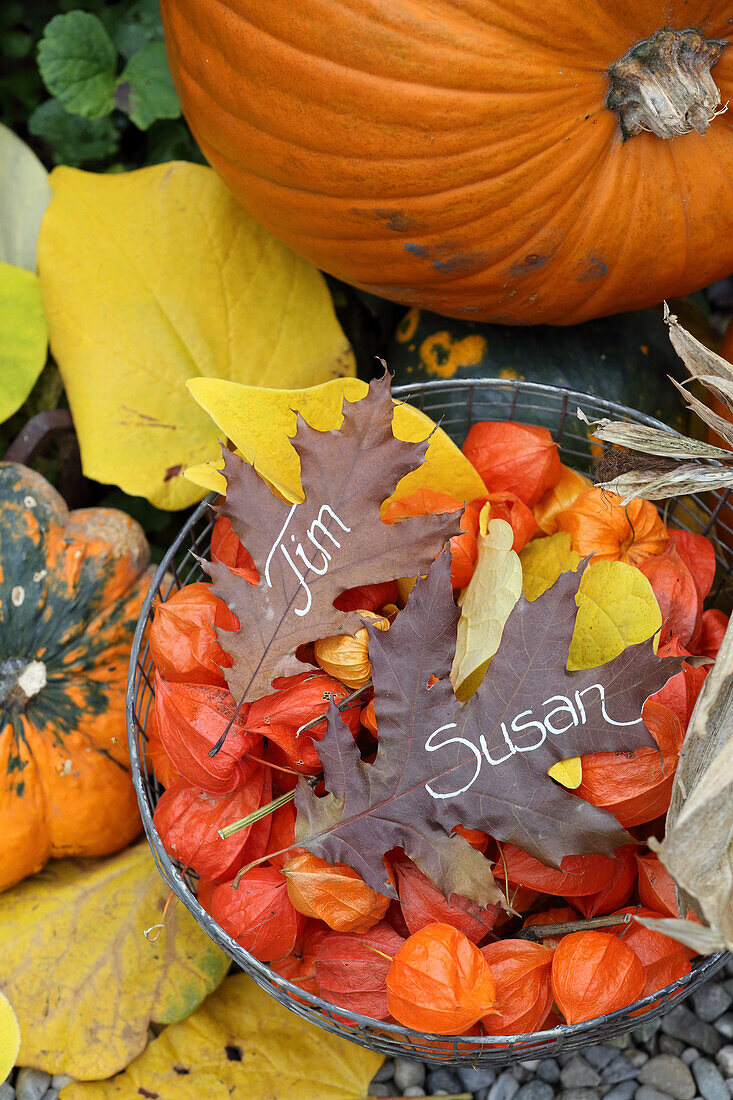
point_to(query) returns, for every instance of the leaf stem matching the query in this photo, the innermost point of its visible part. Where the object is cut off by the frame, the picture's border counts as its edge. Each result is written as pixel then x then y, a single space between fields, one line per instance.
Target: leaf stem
pixel 541 931
pixel 377 951
pixel 257 815
pixel 342 705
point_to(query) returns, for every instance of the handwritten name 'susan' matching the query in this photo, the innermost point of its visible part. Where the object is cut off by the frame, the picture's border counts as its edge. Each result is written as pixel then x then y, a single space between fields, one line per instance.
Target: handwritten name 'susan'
pixel 532 733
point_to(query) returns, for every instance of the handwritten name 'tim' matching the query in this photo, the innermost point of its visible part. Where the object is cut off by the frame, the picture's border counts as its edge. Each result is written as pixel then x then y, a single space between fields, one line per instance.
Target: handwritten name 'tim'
pixel 535 734
pixel 322 568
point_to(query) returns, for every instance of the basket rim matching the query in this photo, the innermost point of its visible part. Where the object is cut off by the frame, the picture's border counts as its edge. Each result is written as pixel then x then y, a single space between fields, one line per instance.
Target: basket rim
pixel 474 1044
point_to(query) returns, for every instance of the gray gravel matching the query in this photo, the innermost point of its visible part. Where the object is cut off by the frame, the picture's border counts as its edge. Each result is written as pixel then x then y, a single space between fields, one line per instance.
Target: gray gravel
pixel 670 1075
pixel 536 1090
pixel 648 1092
pixel 408 1073
pixel 710 1081
pixel 682 1024
pixel 7 1092
pixel 624 1091
pixel 711 1001
pixel 31 1084
pixel 474 1079
pixel 725 1025
pixel 577 1074
pixel 620 1069
pixel 504 1088
pixel 442 1079
pixel 724 1058
pixel 599 1055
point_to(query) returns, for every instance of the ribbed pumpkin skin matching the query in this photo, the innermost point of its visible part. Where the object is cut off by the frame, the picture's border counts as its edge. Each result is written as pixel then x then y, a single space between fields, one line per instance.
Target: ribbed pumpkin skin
pixel 457 154
pixel 71 587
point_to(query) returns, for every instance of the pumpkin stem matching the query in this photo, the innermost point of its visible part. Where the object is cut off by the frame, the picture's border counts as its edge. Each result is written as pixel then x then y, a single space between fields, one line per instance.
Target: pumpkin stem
pixel 664 85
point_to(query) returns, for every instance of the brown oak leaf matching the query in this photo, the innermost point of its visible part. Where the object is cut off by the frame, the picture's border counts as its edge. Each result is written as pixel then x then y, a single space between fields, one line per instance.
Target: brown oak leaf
pixel 483 764
pixel 307 554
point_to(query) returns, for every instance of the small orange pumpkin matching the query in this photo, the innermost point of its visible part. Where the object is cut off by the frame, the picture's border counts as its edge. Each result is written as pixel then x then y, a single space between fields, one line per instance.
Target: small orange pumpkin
pixel 71 587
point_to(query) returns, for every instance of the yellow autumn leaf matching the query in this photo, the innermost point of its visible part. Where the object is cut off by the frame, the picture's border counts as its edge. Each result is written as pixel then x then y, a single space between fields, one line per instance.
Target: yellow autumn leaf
pixel 84 980
pixel 543 560
pixel 24 195
pixel 241 1045
pixel 9 1037
pixel 23 336
pixel 486 602
pixel 616 608
pixel 261 422
pixel 568 772
pixel 155 276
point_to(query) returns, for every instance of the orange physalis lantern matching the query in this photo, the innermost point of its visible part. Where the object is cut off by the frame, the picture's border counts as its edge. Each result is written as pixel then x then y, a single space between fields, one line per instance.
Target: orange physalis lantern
pixel 439 982
pixel 518 458
pixel 559 498
pixel 190 719
pixel 579 875
pixel 636 786
pixel 523 975
pixel 258 914
pixel 422 904
pixel 351 969
pixel 335 894
pixel 188 820
pixel 599 524
pixel 226 548
pixel 594 973
pixel 656 886
pixel 183 641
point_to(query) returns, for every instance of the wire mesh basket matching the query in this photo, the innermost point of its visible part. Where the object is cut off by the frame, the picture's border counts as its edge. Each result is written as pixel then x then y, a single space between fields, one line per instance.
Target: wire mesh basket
pixel 456 404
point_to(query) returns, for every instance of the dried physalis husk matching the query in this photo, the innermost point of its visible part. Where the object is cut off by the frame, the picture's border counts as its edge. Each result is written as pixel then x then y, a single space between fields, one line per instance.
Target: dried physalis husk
pixel 346 656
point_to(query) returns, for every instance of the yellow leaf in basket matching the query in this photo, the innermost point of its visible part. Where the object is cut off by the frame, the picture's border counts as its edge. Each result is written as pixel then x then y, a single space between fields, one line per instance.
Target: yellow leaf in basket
pixel 486 602
pixel 543 560
pixel 568 772
pixel 83 978
pixel 616 608
pixel 241 1045
pixel 260 423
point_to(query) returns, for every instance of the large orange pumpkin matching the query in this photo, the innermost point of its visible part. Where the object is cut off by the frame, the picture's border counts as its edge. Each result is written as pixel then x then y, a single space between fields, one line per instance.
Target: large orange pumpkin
pixel 71 586
pixel 474 156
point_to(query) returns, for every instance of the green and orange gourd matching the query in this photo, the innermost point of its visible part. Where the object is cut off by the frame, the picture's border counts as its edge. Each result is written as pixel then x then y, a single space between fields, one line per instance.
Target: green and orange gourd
pixel 71 588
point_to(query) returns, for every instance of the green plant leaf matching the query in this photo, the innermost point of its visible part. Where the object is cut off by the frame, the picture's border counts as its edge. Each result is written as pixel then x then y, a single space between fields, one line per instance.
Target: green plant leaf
pixel 24 336
pixel 24 195
pixel 78 61
pixel 133 25
pixel 73 140
pixel 150 278
pixel 145 91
